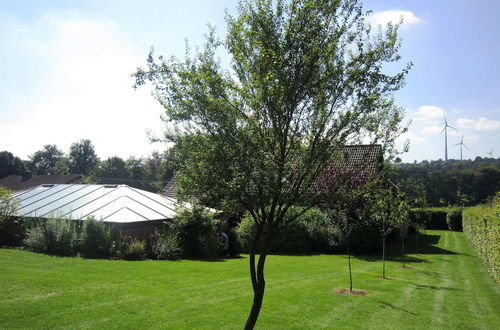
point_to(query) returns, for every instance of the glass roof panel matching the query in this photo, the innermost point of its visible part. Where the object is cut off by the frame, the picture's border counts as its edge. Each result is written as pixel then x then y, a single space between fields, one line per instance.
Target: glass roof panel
pixel 118 203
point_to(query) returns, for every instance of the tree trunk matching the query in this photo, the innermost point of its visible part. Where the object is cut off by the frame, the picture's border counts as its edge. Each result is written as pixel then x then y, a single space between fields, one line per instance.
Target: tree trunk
pixel 403 250
pixel 257 277
pixel 416 242
pixel 383 255
pixel 258 294
pixel 349 261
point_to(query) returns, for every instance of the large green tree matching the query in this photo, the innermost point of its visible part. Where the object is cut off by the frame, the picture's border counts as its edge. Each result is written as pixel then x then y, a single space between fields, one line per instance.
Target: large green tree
pixel 305 78
pixel 10 164
pixel 45 161
pixel 111 170
pixel 82 157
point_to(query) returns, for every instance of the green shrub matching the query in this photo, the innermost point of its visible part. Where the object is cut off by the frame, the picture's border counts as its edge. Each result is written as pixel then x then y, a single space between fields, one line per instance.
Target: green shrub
pixel 366 238
pixel 97 239
pixel 165 245
pixel 245 231
pixel 454 219
pixel 314 231
pixel 12 231
pixel 323 235
pixel 35 240
pixel 307 233
pixel 293 238
pixel 234 247
pixel 197 230
pixel 430 218
pixel 481 225
pixel 53 236
pixel 134 249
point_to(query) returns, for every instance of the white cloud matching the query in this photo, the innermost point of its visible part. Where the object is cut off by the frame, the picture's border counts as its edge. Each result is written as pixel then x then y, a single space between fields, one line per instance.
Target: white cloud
pixel 393 16
pixel 413 138
pixel 428 112
pixel 481 124
pixel 433 130
pixel 85 92
pixel 465 123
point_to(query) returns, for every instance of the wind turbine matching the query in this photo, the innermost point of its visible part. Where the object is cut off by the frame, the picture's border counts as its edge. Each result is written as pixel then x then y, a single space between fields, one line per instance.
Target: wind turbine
pixel 462 144
pixel 445 130
pixel 490 153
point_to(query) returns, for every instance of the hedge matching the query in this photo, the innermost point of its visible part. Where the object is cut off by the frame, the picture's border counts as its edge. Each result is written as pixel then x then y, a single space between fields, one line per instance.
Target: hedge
pixel 454 219
pixel 431 218
pixel 314 232
pixel 481 225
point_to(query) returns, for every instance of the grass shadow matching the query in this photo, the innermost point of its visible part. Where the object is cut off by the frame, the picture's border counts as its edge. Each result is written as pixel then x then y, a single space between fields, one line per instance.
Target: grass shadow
pixel 297 254
pixel 216 259
pixel 389 305
pixel 433 287
pixel 391 257
pixel 417 244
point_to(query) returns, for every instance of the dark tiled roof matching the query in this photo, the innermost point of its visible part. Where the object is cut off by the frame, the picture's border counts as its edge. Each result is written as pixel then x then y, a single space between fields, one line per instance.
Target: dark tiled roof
pixel 368 157
pixel 170 187
pixel 20 182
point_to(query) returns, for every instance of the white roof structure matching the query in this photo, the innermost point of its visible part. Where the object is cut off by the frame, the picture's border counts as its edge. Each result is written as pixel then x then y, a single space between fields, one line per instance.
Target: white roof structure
pixel 110 203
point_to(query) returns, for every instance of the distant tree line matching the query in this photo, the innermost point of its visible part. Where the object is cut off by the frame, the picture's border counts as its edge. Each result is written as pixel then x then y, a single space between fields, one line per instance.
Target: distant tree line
pixel 455 182
pixel 149 173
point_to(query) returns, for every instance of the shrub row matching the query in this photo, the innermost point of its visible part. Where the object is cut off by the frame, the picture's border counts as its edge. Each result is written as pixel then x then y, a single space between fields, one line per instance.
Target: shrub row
pixel 481 226
pixel 437 218
pixel 429 218
pixel 193 234
pixel 90 238
pixel 313 231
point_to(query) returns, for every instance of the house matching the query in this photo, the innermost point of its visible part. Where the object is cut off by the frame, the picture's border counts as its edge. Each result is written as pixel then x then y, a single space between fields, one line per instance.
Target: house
pixel 133 211
pixel 27 181
pixel 367 157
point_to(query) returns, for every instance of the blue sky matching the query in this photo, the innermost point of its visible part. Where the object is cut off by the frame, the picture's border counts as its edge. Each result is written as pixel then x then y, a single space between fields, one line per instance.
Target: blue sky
pixel 65 71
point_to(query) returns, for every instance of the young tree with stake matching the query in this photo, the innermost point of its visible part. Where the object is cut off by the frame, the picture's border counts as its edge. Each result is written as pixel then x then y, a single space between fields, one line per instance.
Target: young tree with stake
pixel 343 189
pixel 403 225
pixel 389 210
pixel 305 78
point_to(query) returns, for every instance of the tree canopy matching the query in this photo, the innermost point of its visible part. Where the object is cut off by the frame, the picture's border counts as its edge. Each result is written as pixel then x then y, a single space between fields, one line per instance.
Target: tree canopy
pixel 44 162
pixel 82 157
pixel 112 170
pixel 306 77
pixel 10 164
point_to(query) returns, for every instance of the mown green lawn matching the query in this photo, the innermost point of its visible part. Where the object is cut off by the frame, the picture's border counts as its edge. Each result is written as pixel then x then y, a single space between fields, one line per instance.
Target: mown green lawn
pixel 446 287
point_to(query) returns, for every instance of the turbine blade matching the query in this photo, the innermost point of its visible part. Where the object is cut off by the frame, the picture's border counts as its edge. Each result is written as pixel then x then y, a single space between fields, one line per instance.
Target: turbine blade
pixel 466 147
